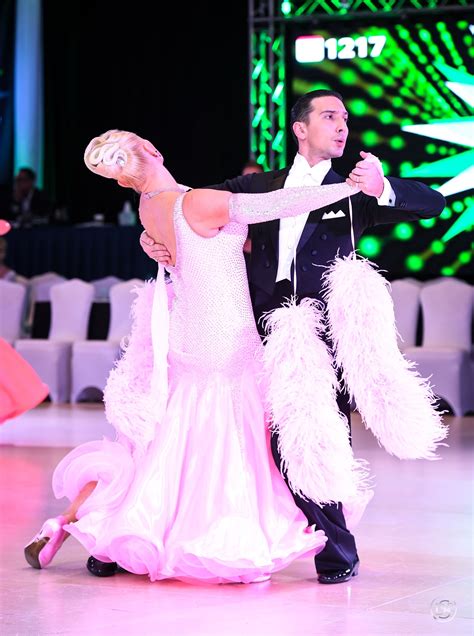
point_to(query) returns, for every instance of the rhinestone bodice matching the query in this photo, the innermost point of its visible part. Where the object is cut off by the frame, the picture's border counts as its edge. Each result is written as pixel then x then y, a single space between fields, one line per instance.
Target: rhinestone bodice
pixel 212 327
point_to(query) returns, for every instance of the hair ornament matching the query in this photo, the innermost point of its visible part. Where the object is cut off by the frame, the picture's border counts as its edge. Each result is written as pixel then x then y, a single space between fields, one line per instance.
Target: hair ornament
pixel 109 154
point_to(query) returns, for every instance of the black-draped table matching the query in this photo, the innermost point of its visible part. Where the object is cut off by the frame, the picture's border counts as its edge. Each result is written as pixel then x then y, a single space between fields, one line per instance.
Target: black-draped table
pixel 81 252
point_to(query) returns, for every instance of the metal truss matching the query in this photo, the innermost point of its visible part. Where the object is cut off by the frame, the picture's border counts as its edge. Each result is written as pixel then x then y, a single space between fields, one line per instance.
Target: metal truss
pixel 267 80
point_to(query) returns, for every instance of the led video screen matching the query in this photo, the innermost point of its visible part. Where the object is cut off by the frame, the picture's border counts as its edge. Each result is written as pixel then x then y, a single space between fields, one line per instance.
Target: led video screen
pixel 409 88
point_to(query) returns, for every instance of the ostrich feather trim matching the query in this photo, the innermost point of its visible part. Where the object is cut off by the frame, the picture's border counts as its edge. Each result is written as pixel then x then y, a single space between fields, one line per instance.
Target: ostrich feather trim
pixel 395 403
pixel 313 436
pixel 130 404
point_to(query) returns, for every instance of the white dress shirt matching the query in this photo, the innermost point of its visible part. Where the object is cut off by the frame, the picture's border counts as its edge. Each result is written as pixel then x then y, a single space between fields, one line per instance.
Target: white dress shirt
pixel 302 174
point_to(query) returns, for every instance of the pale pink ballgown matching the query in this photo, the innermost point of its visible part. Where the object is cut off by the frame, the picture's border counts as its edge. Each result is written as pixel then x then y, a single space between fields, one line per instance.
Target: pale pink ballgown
pixel 204 501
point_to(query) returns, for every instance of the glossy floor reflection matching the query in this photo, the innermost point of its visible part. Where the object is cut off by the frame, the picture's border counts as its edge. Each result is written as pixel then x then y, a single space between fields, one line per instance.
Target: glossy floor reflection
pixel 415 544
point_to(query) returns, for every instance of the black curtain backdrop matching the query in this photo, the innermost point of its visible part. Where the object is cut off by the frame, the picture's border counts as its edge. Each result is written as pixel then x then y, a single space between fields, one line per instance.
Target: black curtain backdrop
pixel 176 73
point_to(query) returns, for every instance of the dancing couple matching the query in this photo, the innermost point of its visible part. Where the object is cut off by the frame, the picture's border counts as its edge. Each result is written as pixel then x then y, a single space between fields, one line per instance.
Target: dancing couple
pixel 189 489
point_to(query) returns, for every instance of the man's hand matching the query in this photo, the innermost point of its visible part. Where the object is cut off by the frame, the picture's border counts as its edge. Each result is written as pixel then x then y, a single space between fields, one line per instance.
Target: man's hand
pixel 368 175
pixel 157 251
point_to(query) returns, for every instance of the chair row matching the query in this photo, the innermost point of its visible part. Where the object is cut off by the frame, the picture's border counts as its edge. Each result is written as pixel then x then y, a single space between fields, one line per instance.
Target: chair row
pixel 69 363
pixel 38 290
pixel 66 361
pixel 446 354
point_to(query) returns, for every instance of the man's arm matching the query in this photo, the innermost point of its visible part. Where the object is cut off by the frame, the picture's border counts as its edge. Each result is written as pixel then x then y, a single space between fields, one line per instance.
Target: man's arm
pixel 413 201
pixel 243 183
pixel 375 205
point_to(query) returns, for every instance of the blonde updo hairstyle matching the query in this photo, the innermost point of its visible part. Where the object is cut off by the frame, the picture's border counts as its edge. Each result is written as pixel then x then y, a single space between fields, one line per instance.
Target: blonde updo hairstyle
pixel 118 154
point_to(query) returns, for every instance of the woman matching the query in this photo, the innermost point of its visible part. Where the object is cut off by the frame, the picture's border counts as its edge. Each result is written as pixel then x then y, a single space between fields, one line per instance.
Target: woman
pixel 189 490
pixel 20 387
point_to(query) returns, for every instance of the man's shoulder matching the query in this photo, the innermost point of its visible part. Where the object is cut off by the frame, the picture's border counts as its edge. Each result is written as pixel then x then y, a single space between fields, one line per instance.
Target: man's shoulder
pixel 270 175
pixel 278 173
pixel 257 182
pixel 332 177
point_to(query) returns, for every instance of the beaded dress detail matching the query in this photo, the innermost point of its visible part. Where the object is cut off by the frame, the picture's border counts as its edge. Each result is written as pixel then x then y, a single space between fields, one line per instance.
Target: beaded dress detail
pixel 205 501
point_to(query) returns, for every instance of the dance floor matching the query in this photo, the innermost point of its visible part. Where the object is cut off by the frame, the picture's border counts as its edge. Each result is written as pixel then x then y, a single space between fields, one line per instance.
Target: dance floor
pixel 415 546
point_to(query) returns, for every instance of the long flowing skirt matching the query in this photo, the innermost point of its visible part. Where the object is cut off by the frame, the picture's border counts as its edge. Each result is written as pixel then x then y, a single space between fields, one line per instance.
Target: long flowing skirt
pixel 20 387
pixel 205 502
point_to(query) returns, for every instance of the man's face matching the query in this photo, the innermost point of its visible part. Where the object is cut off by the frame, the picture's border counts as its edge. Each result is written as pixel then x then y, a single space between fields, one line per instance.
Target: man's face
pixel 324 136
pixel 23 183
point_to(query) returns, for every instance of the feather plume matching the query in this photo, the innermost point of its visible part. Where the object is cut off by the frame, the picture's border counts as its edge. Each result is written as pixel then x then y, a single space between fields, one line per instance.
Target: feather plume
pixel 394 401
pixel 313 435
pixel 129 403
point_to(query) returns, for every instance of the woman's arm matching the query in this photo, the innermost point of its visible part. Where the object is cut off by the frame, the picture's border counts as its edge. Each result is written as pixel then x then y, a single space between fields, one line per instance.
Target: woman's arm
pixel 206 211
pixel 287 202
pixel 209 210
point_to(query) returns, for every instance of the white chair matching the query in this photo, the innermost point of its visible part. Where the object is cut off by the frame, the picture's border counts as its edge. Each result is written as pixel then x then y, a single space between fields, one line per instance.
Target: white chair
pixel 70 308
pixel 39 290
pixel 40 286
pixel 12 306
pixel 102 287
pixel 405 294
pixel 445 354
pixel 92 360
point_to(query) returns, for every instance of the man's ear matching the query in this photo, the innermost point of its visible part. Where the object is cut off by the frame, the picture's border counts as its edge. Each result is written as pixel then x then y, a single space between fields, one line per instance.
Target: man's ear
pixel 299 129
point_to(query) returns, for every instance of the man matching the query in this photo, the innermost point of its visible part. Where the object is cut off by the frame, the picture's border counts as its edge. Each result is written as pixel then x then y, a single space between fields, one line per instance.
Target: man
pixel 26 205
pixel 319 126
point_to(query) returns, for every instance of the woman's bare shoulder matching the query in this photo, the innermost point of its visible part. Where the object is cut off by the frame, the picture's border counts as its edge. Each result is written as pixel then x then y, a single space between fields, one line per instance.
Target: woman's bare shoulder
pixel 209 209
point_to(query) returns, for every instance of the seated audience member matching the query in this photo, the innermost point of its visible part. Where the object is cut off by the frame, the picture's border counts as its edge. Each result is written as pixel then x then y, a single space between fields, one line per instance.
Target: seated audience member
pixel 25 205
pixel 251 166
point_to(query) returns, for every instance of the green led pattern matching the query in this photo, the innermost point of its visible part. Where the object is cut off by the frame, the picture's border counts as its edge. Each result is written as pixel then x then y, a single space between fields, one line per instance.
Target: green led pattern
pixel 268 101
pixel 370 246
pixel 419 59
pixel 268 86
pixel 406 85
pixel 340 7
pixel 403 231
pixel 414 263
pixel 428 223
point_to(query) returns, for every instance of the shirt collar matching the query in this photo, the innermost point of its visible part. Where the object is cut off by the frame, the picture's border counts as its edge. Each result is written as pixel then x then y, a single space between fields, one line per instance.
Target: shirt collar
pixel 301 167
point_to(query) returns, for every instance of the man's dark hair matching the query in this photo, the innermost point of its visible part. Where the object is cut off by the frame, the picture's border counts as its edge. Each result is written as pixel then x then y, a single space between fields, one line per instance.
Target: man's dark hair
pixel 303 106
pixel 29 173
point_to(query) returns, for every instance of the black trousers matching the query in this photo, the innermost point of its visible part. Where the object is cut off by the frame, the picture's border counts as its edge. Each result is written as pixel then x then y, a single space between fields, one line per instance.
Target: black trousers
pixel 340 551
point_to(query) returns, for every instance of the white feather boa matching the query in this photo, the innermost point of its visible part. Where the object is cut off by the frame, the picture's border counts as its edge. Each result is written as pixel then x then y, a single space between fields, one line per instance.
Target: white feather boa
pixel 313 435
pixel 395 403
pixel 130 405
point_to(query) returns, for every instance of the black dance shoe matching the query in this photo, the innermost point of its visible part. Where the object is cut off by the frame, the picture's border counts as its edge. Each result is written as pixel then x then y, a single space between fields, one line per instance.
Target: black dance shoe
pixel 339 576
pixel 100 568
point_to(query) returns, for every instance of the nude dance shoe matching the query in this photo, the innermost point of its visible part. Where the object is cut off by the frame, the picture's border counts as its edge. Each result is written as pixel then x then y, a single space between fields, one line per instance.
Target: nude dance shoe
pixel 41 550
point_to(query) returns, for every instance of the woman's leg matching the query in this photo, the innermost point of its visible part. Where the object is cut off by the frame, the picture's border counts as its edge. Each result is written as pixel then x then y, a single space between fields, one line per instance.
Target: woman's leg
pixel 42 548
pixel 71 512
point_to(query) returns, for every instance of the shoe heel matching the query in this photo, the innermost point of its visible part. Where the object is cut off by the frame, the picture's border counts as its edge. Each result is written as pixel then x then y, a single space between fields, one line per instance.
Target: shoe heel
pixel 32 552
pixel 41 550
